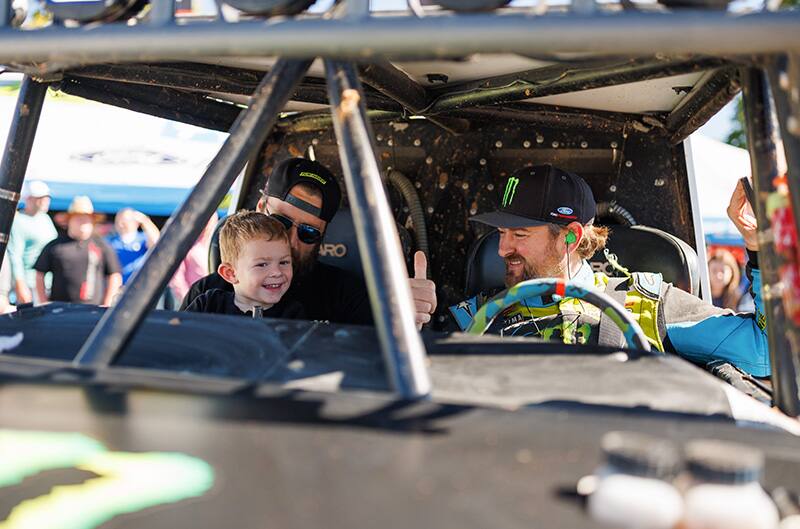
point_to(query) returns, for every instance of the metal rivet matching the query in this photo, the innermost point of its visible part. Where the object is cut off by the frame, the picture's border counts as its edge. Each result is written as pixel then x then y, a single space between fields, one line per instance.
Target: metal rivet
pixel 628 163
pixel 390 143
pixel 659 182
pixel 429 160
pixel 379 137
pixel 584 144
pixel 430 210
pixel 418 185
pixel 315 141
pixel 417 143
pixel 482 161
pixel 473 211
pixel 490 187
pixel 465 186
pixel 405 209
pixel 498 144
pixel 613 145
pixel 526 144
pixel 540 139
pixel 554 144
pixel 442 185
pixel 793 125
pixel 783 81
pixel 613 189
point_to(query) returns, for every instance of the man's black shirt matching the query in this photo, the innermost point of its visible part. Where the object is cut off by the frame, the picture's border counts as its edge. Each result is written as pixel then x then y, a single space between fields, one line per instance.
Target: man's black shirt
pixel 80 268
pixel 217 301
pixel 327 293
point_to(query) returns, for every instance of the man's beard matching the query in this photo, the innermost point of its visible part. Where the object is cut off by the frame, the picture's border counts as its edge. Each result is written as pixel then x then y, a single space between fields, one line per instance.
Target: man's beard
pixel 552 267
pixel 304 266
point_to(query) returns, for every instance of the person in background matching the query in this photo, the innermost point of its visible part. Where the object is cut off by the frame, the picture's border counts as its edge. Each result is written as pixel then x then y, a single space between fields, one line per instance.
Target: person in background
pixel 85 269
pixel 725 277
pixel 5 286
pixel 195 265
pixel 31 231
pixel 131 244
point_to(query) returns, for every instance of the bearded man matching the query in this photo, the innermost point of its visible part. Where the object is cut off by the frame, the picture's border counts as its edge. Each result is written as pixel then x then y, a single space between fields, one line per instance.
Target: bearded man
pixel 546 226
pixel 304 196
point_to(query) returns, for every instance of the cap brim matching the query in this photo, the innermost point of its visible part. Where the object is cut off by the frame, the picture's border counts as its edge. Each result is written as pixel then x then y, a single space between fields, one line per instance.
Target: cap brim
pixel 500 219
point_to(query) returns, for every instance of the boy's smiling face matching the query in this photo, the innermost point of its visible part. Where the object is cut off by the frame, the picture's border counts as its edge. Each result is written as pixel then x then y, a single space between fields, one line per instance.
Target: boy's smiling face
pixel 261 274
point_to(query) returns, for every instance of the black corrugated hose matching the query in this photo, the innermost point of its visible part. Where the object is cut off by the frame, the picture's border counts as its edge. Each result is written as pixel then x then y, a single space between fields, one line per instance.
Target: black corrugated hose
pixel 415 209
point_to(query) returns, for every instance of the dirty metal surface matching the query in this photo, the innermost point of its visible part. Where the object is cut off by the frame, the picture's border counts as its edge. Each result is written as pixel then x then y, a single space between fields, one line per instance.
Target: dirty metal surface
pixel 307 460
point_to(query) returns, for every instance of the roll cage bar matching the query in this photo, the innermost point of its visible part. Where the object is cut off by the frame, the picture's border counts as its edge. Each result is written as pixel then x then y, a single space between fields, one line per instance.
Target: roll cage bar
pixel 760 52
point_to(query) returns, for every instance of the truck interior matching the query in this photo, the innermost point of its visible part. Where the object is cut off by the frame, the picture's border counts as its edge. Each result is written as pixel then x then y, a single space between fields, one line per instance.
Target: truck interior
pixel 420 114
pixel 441 131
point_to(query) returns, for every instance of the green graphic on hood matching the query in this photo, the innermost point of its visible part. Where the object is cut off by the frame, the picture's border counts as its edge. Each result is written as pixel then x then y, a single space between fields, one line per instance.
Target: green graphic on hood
pixel 126 482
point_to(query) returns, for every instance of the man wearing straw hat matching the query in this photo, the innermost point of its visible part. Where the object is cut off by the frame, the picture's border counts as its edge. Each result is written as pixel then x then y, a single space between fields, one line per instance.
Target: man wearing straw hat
pixel 85 269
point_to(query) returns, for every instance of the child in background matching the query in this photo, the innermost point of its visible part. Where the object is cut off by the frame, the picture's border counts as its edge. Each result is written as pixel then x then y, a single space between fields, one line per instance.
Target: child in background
pixel 257 261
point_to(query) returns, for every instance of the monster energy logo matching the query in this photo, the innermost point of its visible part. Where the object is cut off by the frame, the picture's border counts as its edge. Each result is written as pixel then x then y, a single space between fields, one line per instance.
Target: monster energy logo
pixel 511 188
pixel 121 482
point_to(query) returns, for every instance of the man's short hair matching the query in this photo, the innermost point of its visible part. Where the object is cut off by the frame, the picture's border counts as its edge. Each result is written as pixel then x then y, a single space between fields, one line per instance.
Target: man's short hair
pixel 244 226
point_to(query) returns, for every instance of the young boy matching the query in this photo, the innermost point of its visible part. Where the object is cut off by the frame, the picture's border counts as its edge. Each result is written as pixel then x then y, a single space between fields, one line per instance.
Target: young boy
pixel 257 261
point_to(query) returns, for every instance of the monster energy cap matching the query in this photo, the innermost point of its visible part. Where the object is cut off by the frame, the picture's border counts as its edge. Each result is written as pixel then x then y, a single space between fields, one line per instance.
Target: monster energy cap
pixel 293 171
pixel 543 194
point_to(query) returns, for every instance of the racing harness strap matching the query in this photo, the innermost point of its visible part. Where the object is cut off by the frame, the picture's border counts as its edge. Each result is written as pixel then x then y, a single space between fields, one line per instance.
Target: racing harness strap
pixel 641 295
pixel 609 334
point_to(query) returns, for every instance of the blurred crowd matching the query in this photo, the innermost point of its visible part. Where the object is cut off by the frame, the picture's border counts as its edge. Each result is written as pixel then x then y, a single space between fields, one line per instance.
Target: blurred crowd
pixel 81 258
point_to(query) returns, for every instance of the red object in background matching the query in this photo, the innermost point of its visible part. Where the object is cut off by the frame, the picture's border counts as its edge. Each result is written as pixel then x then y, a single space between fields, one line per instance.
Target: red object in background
pixel 737 251
pixel 791 294
pixel 784 231
pixel 779 209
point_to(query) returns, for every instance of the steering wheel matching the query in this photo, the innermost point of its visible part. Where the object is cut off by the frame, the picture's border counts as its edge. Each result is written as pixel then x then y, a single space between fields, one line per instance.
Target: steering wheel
pixel 634 336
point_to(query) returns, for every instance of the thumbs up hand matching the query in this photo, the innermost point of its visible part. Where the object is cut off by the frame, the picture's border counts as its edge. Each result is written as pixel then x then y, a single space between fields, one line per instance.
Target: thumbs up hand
pixel 423 291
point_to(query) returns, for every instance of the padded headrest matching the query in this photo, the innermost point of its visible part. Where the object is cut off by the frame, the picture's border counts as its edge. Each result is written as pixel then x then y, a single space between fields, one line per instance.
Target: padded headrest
pixel 339 248
pixel 638 248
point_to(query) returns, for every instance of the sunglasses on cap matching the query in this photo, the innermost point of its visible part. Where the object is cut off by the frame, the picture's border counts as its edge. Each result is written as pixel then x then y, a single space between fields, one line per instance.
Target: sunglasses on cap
pixel 307 234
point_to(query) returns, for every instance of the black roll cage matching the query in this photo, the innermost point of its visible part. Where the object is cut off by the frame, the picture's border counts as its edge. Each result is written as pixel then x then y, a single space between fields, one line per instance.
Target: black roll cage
pixel 111 63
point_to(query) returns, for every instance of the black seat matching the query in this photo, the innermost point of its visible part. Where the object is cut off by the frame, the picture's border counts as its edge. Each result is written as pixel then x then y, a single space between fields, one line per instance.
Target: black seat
pixel 638 248
pixel 339 247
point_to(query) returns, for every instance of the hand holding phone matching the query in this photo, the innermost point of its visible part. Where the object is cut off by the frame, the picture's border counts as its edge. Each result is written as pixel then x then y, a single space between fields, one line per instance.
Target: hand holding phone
pixel 748 191
pixel 740 211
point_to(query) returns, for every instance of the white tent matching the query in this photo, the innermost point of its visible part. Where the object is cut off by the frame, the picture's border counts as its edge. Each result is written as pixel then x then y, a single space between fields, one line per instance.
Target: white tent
pixel 717 168
pixel 117 157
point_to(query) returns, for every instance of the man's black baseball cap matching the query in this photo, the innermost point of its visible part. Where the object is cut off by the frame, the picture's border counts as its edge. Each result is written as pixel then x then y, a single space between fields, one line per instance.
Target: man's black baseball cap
pixel 543 194
pixel 293 171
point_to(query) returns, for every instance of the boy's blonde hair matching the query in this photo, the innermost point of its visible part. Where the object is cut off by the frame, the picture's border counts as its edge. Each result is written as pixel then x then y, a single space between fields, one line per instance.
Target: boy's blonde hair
pixel 245 226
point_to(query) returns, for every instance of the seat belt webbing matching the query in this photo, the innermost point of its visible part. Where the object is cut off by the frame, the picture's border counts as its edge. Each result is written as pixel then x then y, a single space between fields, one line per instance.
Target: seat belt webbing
pixel 609 334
